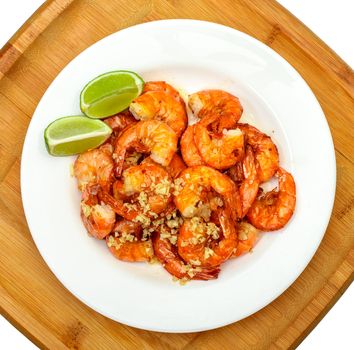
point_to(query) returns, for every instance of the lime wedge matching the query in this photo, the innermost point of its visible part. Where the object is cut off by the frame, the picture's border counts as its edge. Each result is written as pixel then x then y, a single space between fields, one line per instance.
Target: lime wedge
pixel 72 135
pixel 110 93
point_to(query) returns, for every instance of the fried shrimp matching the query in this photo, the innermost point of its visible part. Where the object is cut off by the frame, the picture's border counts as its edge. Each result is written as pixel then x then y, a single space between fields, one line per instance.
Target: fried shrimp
pixel 159 105
pixel 205 244
pixel 250 183
pixel 163 86
pixel 193 185
pixel 167 254
pixel 265 151
pixel 117 123
pixel 189 197
pixel 120 121
pixel 175 167
pixel 125 243
pixel 128 212
pixel 226 107
pixel 189 149
pixel 94 167
pixel 247 238
pixel 274 209
pixel 151 184
pixel 98 218
pixel 236 172
pixel 142 194
pixel 218 151
pixel 151 136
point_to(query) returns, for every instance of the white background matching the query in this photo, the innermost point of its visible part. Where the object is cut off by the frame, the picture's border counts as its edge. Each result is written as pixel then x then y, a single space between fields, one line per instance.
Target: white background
pixel 332 21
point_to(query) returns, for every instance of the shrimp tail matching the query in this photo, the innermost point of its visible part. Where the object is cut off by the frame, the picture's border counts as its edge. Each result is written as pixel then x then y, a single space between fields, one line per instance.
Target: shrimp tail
pixel 116 205
pixel 207 274
pixel 120 157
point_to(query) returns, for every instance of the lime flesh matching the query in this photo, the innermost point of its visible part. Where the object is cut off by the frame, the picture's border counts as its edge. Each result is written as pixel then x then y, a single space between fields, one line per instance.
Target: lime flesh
pixel 76 134
pixel 110 93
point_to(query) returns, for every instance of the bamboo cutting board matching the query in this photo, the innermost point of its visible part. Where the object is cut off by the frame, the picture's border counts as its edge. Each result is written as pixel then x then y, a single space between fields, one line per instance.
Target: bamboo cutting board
pixel 30 295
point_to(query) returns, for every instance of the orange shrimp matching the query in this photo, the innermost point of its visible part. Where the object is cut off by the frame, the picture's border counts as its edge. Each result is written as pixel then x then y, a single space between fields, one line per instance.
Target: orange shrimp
pixel 108 146
pixel 152 184
pixel 159 105
pixel 142 194
pixel 250 184
pixel 94 167
pixel 175 167
pixel 218 151
pixel 118 206
pixel 265 151
pixel 98 219
pixel 117 123
pixel 224 106
pixel 120 121
pixel 163 86
pixel 189 149
pixel 125 244
pixel 204 244
pixel 247 238
pixel 194 182
pixel 236 172
pixel 151 136
pixel 274 209
pixel 118 190
pixel 167 254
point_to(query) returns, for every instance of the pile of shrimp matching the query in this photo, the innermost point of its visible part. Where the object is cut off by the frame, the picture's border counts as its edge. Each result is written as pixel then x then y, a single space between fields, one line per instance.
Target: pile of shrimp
pixel 187 196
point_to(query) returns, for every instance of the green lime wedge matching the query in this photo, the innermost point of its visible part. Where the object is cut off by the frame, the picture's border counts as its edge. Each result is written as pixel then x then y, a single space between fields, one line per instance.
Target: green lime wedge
pixel 72 135
pixel 110 93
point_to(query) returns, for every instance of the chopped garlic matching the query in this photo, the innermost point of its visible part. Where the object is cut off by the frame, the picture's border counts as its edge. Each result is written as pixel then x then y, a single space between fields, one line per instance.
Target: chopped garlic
pixel 208 252
pixel 212 230
pixel 144 220
pixel 113 243
pixel 195 262
pixel 130 206
pixel 86 209
pixel 173 240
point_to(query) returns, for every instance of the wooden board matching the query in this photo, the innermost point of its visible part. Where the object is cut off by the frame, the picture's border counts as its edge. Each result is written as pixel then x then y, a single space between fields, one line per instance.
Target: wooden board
pixel 30 295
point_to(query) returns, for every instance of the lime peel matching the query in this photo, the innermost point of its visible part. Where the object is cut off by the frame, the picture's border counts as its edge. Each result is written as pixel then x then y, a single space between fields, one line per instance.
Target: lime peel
pixel 75 134
pixel 110 93
pixel 77 138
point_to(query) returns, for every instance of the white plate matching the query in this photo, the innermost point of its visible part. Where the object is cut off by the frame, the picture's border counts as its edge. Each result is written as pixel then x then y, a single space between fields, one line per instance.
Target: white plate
pixel 192 55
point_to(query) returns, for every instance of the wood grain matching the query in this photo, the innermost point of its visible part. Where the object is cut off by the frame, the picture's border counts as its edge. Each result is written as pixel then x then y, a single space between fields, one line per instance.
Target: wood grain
pixel 30 295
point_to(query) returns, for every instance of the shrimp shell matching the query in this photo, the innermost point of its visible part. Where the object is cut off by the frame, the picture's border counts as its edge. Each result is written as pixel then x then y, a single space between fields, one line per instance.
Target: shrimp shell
pixel 129 251
pixel 247 238
pixel 250 184
pixel 175 167
pixel 273 210
pixel 265 151
pixel 151 180
pixel 94 167
pixel 189 149
pixel 159 105
pixel 98 218
pixel 226 107
pixel 165 87
pixel 219 151
pixel 172 262
pixel 151 136
pixel 206 253
pixel 120 121
pixel 195 179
